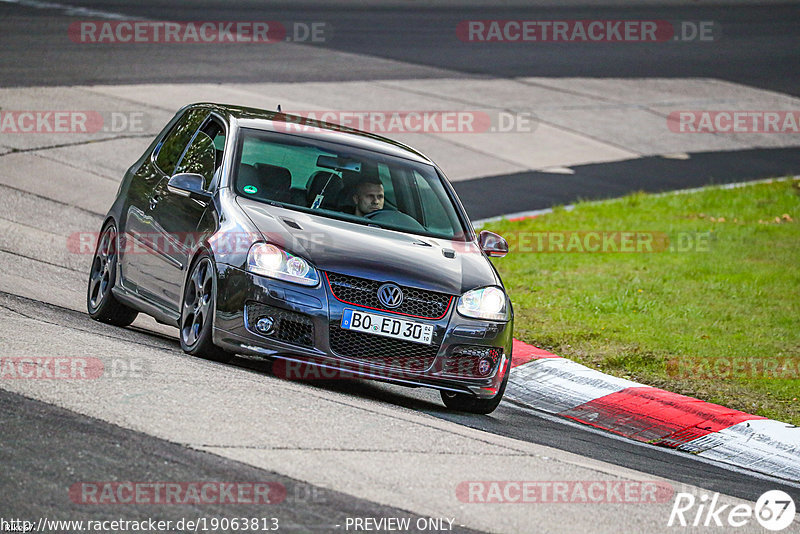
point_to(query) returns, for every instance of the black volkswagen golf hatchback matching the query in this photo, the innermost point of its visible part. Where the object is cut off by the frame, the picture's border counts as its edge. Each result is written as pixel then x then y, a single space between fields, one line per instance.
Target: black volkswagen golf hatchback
pixel 310 244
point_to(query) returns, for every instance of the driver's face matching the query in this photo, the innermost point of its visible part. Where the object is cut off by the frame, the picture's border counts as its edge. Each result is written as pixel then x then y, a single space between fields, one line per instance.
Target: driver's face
pixel 368 198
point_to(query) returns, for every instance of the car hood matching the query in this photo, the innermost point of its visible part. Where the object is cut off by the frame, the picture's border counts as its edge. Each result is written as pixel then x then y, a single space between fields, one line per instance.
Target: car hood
pixel 374 253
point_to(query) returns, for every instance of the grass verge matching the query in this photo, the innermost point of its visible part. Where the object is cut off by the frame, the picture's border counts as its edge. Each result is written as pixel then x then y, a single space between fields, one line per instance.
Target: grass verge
pixel 707 303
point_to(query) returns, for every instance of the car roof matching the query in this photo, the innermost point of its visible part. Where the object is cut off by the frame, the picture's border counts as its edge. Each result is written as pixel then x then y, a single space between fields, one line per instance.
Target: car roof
pixel 313 129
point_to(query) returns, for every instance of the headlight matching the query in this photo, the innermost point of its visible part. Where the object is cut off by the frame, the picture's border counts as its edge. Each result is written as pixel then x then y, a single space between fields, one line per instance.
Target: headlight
pixel 484 303
pixel 269 260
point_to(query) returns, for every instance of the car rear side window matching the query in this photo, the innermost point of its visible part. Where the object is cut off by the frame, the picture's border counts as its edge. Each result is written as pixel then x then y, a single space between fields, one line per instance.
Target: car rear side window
pixel 174 144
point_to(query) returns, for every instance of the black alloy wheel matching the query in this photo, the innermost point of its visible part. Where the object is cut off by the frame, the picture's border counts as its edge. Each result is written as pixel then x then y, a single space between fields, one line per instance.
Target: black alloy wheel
pixel 197 311
pixel 100 301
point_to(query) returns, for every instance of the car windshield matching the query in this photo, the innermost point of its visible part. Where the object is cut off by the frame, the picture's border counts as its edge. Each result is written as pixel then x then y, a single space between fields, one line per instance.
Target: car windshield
pixel 337 181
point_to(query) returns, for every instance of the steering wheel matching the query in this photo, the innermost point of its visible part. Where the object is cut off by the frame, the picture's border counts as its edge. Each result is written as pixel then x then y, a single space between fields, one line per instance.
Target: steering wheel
pixel 395 217
pixel 372 214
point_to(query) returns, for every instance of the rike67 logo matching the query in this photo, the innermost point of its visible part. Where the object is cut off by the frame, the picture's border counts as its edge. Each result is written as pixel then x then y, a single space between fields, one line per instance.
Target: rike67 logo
pixel 774 510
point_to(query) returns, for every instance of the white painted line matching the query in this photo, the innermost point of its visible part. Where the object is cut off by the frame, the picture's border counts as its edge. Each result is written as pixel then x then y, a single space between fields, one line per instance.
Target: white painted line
pixel 519 215
pixel 558 169
pixel 73 11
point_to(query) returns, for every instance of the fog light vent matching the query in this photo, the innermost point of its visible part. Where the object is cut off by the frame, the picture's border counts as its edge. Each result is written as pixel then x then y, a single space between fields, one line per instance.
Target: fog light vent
pixel 472 361
pixel 279 324
pixel 265 325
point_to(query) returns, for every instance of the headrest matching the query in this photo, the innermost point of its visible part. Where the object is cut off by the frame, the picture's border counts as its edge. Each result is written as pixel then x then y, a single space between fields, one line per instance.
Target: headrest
pixel 273 177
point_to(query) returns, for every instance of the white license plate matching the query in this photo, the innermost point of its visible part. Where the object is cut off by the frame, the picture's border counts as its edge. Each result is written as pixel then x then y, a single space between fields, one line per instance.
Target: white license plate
pixel 381 325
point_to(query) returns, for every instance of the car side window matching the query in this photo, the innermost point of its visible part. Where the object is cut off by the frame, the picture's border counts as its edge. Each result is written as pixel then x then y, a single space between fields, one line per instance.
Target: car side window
pixel 216 131
pixel 435 216
pixel 200 158
pixel 205 153
pixel 174 144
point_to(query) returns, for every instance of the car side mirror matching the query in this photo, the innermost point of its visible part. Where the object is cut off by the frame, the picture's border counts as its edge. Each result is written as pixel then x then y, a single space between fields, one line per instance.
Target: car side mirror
pixel 189 184
pixel 492 244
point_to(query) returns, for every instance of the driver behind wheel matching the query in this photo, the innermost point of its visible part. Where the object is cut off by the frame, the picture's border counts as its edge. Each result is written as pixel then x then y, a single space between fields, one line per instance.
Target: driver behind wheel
pixel 368 196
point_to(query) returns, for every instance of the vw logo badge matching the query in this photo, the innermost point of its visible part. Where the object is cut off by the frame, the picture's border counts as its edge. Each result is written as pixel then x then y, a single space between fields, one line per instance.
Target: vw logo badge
pixel 390 295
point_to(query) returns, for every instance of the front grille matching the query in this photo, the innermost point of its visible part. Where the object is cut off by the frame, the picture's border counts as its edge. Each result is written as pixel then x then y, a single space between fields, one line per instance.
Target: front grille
pixel 289 327
pixel 364 292
pixel 464 360
pixel 382 351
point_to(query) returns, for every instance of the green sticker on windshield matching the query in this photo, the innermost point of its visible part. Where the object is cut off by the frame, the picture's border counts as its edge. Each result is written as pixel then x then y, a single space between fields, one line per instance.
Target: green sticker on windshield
pixel 250 189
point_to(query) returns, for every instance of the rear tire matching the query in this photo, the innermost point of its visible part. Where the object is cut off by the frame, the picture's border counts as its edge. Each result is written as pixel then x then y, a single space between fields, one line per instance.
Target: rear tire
pixel 100 301
pixel 464 402
pixel 197 311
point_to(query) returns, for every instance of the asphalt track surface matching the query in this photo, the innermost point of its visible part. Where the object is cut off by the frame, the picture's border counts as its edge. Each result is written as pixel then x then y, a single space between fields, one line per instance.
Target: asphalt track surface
pixel 757 45
pixel 82 448
pixel 539 190
pixel 65 431
pixel 48 447
pixel 753 45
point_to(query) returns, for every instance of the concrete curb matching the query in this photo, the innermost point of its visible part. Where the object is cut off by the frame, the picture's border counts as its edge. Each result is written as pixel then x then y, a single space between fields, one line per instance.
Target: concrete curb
pixel 556 385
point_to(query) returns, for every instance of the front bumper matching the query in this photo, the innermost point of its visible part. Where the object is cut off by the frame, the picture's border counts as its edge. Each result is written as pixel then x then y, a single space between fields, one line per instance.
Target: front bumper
pixel 310 344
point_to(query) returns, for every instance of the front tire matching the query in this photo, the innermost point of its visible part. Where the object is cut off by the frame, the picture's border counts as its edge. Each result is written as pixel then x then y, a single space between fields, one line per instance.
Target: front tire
pixel 464 402
pixel 197 311
pixel 100 301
